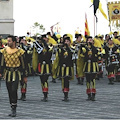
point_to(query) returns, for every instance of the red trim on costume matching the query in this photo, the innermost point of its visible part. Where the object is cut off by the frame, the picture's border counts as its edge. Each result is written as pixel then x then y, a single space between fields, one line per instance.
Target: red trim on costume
pixel 118 73
pixel 88 91
pixel 93 90
pixel 66 90
pixel 111 76
pixel 23 90
pixel 39 67
pixel 45 89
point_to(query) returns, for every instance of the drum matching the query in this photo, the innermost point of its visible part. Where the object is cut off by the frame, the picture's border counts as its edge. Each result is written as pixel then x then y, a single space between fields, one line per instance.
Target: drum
pixel 114 59
pixel 100 62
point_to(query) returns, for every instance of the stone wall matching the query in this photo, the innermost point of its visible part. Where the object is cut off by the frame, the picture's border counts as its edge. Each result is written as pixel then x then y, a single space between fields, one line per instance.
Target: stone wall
pixel 6 17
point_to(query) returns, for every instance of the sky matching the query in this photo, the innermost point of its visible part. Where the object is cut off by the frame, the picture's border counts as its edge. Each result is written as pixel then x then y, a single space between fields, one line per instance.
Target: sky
pixel 69 13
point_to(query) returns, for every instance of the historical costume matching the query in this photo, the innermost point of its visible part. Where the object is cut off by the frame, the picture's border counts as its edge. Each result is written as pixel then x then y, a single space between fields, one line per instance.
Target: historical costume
pixel 63 64
pixel 13 61
pixel 111 59
pixel 91 67
pixel 44 64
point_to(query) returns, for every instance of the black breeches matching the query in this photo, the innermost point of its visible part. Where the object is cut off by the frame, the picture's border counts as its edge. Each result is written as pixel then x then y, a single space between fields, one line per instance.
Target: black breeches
pixel 65 84
pixel 12 88
pixel 44 82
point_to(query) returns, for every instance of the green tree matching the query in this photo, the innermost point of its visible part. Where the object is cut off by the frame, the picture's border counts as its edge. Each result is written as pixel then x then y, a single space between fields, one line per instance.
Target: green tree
pixel 38 28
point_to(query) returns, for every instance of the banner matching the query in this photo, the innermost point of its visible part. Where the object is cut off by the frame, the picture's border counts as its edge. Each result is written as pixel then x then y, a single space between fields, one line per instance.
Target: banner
pixel 97 4
pixel 114 12
pixel 87 32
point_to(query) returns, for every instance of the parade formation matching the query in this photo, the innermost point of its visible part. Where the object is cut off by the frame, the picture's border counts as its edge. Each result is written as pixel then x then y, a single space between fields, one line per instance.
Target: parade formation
pixel 65 60
pixel 60 57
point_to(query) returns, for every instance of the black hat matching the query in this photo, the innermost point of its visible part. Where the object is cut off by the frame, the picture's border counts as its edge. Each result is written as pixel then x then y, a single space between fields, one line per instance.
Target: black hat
pixel 66 38
pixel 115 32
pixel 48 33
pixel 43 36
pixel 65 35
pixel 78 35
pixel 88 38
pixel 110 38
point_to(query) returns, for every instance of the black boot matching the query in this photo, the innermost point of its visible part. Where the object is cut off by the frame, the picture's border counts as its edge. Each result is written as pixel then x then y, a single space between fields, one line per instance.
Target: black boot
pixel 23 97
pixel 82 80
pixel 79 82
pixel 89 96
pixel 53 80
pixel 65 97
pixel 13 111
pixel 45 98
pixel 111 81
pixel 93 97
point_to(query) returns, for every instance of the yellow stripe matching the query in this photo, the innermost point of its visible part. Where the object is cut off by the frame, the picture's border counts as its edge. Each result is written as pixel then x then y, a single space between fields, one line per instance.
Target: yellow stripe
pixel 58 71
pixel 14 75
pixel 97 66
pixel 9 76
pixel 88 85
pixel 93 84
pixel 47 68
pixel 23 65
pixel 62 83
pixel 63 71
pixel 19 74
pixel 29 67
pixel 94 68
pixel 42 68
pixel 45 85
pixel 6 71
pixel 2 61
pixel 84 67
pixel 72 70
pixel 67 71
pixel 89 63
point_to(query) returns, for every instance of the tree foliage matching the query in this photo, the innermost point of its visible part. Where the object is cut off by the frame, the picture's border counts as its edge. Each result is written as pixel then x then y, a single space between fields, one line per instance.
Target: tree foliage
pixel 38 28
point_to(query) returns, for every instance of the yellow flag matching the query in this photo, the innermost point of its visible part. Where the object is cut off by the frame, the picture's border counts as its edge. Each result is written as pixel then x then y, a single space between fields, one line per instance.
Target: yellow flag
pixel 51 40
pixel 35 60
pixel 101 10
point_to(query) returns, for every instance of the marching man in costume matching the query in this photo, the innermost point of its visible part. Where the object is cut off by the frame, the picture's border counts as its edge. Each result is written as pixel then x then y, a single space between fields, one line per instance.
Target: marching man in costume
pixel 23 82
pixel 44 64
pixel 111 59
pixel 91 67
pixel 64 66
pixel 79 61
pixel 13 61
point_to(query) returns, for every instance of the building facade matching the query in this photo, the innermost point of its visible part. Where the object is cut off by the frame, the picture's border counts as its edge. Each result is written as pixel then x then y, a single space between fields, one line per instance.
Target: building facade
pixel 6 17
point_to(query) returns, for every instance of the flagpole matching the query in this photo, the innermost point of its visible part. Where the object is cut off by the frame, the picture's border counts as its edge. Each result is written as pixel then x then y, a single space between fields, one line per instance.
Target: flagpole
pixel 94 25
pixel 108 15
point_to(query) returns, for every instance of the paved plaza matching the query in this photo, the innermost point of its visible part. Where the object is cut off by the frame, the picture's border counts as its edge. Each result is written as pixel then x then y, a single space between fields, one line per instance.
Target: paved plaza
pixel 106 106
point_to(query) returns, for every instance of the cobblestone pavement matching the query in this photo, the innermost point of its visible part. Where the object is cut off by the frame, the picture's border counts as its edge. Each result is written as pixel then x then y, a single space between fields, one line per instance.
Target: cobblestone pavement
pixel 106 106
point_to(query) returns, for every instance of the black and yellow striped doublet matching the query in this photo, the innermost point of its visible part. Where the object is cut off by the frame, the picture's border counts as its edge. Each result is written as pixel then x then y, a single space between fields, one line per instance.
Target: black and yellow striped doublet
pixel 13 64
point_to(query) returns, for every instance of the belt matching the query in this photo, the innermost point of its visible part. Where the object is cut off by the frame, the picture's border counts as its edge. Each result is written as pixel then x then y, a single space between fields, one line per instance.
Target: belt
pixel 89 61
pixel 12 69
